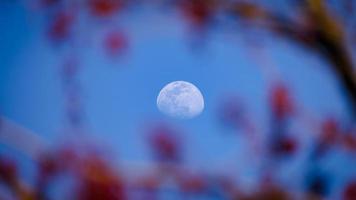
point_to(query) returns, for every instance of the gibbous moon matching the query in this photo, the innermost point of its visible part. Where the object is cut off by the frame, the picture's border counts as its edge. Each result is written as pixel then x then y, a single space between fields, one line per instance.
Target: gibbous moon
pixel 180 99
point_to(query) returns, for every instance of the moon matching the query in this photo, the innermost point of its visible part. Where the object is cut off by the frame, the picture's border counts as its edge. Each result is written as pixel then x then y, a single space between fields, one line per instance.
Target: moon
pixel 180 99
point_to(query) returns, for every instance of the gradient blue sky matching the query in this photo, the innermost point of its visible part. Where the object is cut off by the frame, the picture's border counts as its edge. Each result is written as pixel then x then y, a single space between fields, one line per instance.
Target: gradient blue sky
pixel 120 96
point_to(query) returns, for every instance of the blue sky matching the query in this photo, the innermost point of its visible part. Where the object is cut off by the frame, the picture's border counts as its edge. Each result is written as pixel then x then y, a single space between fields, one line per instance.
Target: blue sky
pixel 119 97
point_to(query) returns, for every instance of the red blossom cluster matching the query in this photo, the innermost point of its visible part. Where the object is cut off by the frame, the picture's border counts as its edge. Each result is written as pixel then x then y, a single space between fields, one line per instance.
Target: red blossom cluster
pixel 116 43
pixel 285 145
pixel 61 26
pixel 95 177
pixel 8 170
pixel 165 143
pixel 333 134
pixel 349 192
pixel 281 102
pixel 104 8
pixel 198 12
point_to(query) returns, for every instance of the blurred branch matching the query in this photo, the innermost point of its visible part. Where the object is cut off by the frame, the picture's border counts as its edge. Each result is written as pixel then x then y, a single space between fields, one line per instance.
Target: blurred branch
pixel 318 30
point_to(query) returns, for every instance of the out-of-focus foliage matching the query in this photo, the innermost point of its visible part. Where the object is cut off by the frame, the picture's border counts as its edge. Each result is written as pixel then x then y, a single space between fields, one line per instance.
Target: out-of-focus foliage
pixel 324 27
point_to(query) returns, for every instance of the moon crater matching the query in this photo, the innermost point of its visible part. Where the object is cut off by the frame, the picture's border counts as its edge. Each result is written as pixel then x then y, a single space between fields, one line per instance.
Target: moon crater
pixel 180 99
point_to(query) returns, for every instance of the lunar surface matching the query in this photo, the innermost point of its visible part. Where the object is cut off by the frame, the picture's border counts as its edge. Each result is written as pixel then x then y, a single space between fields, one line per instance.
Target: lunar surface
pixel 180 99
